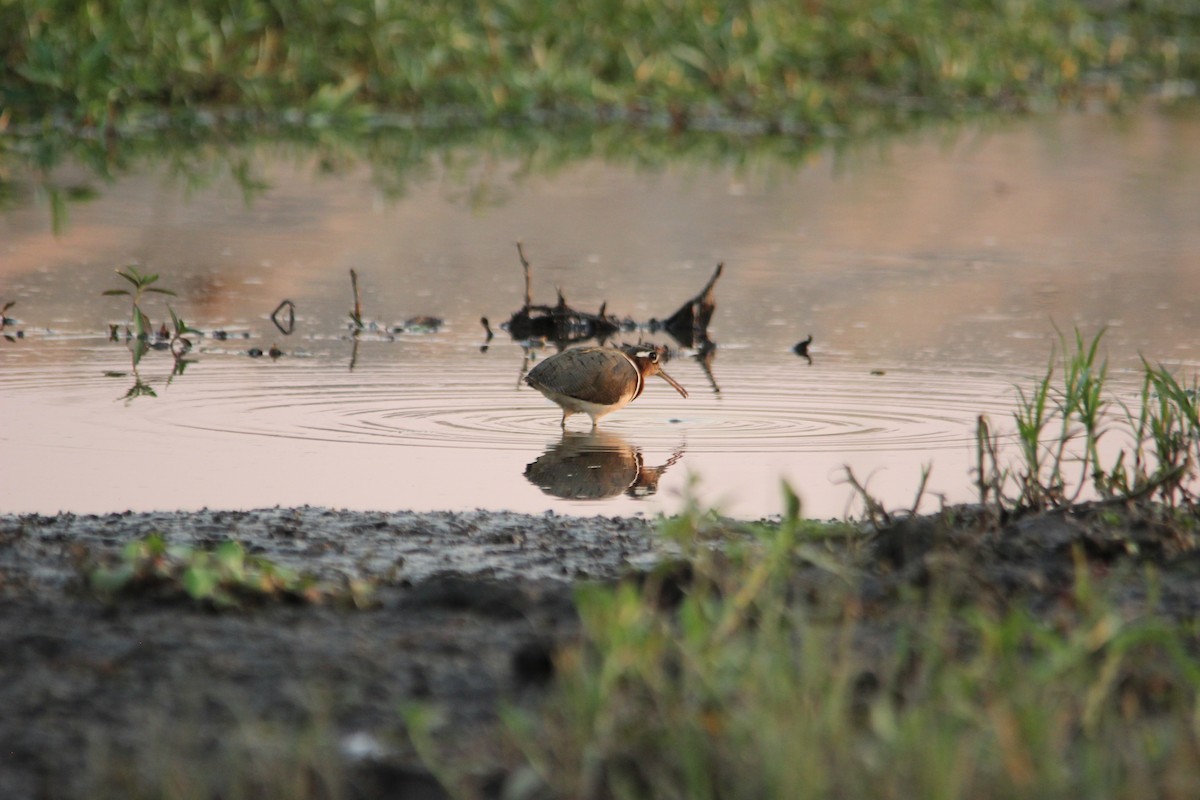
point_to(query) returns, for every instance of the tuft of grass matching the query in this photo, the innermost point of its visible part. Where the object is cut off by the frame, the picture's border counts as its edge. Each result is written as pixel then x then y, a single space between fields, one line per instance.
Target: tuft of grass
pixel 1061 422
pixel 224 577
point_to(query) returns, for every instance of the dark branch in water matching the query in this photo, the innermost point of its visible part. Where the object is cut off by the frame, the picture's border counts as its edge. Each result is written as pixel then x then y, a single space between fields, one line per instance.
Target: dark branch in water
pixel 801 348
pixel 356 314
pixel 564 325
pixel 689 325
pixel 558 323
pixel 287 329
pixel 525 267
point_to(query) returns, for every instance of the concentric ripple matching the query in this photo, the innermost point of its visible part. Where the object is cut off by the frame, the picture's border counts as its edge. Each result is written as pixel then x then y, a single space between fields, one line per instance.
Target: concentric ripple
pixel 785 410
pixel 457 429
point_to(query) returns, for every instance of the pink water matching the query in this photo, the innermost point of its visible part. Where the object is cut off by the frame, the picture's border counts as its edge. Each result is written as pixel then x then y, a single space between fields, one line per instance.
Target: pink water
pixel 931 270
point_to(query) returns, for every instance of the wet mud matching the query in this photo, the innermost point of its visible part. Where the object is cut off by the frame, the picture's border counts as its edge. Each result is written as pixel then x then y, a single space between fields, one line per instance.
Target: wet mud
pixel 468 614
pixel 468 610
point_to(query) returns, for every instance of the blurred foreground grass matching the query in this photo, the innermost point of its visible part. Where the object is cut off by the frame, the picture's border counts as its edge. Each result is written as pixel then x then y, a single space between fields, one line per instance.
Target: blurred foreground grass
pixel 768 670
pixel 803 67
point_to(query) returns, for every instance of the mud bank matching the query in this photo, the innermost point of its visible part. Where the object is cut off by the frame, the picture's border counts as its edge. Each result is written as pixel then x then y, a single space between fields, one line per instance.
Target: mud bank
pixel 101 699
pixel 469 606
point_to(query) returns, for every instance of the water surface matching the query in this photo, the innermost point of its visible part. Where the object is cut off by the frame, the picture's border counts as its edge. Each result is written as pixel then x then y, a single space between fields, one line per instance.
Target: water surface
pixel 931 270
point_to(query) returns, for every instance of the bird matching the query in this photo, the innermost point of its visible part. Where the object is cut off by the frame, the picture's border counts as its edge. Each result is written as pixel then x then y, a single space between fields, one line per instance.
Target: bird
pixel 598 380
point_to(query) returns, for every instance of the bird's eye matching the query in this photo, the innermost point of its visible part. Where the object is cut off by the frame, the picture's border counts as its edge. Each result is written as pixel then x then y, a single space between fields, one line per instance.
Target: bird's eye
pixel 653 356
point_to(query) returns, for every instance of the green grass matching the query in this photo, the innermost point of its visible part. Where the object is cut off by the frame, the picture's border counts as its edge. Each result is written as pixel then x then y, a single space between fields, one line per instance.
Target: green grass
pixel 1158 455
pixel 224 576
pixel 756 686
pixel 788 65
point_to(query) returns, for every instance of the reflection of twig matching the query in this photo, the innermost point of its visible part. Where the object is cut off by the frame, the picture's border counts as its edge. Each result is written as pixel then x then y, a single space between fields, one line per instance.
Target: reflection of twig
pixel 354 354
pixel 527 349
pixel 705 355
pixel 483 348
pixel 4 320
pixel 286 330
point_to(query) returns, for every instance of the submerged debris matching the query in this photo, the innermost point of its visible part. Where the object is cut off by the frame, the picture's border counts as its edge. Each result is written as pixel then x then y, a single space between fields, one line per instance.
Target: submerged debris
pixel 534 325
pixel 422 324
pixel 558 323
pixel 290 325
pixel 689 325
pixel 565 325
pixel 356 312
pixel 801 348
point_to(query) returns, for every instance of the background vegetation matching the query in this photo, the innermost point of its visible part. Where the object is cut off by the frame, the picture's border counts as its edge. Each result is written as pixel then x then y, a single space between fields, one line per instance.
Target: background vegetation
pixel 793 66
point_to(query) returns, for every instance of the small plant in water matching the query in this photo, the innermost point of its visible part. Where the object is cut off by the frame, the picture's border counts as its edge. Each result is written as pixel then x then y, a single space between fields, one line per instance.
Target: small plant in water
pixel 178 335
pixel 1053 471
pixel 141 284
pixel 175 337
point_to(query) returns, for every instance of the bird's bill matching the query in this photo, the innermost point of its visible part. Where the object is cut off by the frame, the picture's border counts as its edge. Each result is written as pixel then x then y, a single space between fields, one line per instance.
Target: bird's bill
pixel 674 383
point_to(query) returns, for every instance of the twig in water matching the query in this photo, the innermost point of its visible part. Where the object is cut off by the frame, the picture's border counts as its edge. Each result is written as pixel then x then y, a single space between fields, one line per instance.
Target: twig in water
pixel 525 267
pixel 287 329
pixel 356 314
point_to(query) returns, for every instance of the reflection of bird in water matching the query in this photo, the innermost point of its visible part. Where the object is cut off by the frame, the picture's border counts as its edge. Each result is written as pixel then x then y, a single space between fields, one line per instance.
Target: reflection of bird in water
pixel 595 465
pixel 598 380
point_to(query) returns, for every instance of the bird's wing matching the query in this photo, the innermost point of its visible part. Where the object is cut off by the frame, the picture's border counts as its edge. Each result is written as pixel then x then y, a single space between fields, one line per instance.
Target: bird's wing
pixel 597 375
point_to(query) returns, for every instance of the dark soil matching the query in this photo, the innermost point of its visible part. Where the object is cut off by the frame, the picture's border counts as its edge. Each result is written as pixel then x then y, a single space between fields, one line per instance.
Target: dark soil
pixel 100 698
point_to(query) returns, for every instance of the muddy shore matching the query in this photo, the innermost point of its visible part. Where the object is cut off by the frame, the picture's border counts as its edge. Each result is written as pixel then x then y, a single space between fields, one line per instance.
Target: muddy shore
pixel 100 698
pixel 468 609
